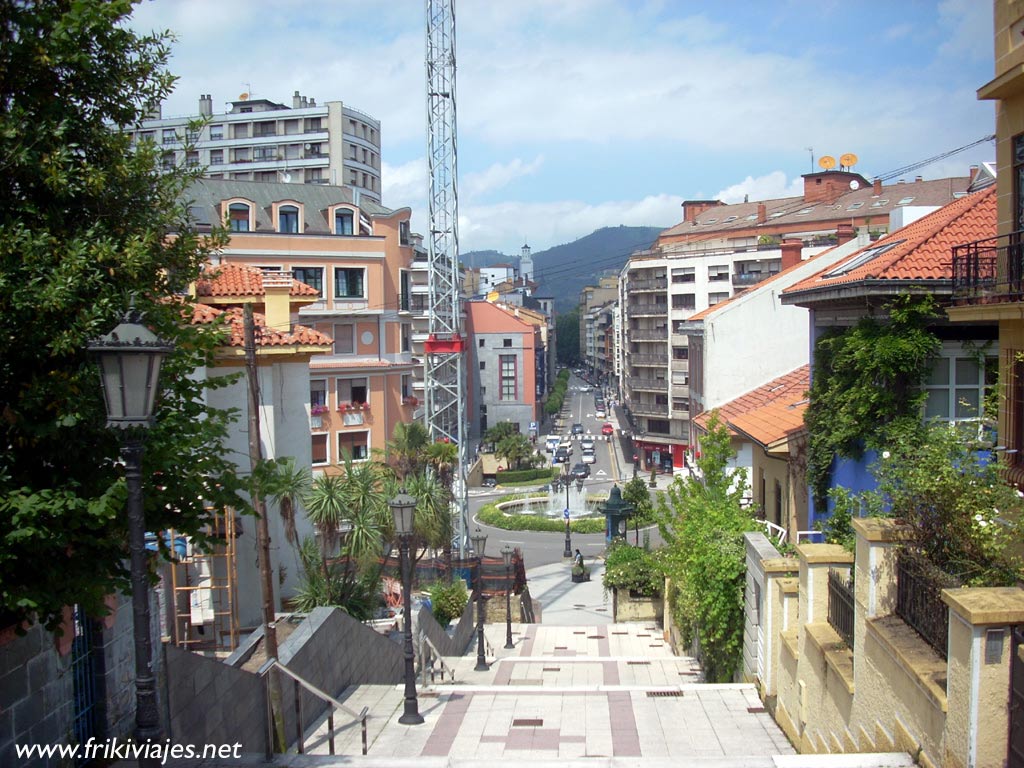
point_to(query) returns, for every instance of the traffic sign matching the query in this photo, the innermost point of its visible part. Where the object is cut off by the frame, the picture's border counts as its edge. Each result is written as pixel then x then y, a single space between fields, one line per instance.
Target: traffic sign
pixel 565 514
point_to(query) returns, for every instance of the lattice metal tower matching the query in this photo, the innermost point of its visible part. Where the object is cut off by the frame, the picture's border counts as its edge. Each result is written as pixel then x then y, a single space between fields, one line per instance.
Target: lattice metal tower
pixel 444 372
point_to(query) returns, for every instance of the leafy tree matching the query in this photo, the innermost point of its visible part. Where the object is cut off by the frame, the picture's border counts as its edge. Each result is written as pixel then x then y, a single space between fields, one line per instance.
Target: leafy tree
pixel 407 446
pixel 567 339
pixel 637 493
pixel 500 431
pixel 515 449
pixel 83 224
pixel 285 484
pixel 703 524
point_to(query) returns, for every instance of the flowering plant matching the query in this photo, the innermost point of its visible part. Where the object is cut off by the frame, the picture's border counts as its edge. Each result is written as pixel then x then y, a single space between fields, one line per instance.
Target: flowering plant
pixel 318 409
pixel 410 400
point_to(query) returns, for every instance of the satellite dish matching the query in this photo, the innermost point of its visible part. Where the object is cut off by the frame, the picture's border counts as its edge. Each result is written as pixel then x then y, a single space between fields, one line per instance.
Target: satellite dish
pixel 848 160
pixel 854 184
pixel 243 97
pixel 308 146
pixel 827 162
pixel 286 177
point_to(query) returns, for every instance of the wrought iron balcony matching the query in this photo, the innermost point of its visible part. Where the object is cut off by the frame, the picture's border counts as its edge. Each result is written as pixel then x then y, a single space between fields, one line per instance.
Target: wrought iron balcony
pixel 989 271
pixel 660 334
pixel 640 310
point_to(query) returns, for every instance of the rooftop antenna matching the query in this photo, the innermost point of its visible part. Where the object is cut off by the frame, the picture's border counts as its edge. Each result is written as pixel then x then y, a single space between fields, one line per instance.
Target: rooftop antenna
pixel 811 150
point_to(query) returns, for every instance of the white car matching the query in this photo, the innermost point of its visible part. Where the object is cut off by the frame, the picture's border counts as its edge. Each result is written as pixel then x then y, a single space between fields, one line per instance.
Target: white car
pixel 588 456
pixel 600 413
pixel 587 443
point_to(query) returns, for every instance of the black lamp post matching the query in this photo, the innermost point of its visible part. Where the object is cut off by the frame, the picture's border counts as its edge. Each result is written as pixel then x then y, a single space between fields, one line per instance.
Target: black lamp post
pixel 403 507
pixel 130 357
pixel 616 512
pixel 567 482
pixel 479 539
pixel 506 555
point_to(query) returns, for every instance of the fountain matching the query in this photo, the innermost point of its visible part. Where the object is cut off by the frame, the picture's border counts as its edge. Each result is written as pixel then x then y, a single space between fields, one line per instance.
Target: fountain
pixel 553 505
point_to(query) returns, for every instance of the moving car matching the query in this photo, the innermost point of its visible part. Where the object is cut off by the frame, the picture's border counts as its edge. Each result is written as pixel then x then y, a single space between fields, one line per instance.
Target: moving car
pixel 607 429
pixel 577 429
pixel 600 413
pixel 587 443
pixel 588 456
pixel 561 456
pixel 551 443
pixel 490 482
pixel 580 470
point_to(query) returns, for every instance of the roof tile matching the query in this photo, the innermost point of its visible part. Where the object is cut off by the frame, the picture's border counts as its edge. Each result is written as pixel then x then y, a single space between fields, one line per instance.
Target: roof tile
pixel 235 280
pixel 769 412
pixel 300 335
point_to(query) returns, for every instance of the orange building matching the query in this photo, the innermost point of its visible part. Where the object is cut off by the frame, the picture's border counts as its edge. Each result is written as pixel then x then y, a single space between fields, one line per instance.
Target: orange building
pixel 354 258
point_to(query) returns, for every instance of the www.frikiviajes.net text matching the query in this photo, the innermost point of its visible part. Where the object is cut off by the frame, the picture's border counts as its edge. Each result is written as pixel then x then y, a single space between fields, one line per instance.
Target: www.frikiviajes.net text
pixel 125 749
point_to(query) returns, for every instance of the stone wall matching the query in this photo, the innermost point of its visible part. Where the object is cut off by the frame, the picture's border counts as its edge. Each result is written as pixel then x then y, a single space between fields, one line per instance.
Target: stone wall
pixel 448 645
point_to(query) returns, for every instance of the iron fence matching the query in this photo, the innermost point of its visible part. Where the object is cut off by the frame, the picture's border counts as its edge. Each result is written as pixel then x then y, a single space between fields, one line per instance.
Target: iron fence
pixel 840 604
pixel 919 586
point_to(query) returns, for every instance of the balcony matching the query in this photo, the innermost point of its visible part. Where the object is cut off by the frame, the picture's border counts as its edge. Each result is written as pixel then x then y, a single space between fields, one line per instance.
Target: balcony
pixel 648 385
pixel 648 284
pixel 989 271
pixel 660 334
pixel 644 359
pixel 649 409
pixel 646 310
pixel 746 279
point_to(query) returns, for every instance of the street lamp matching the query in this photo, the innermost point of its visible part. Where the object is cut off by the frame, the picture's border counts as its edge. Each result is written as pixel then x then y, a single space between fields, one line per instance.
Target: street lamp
pixel 506 555
pixel 567 482
pixel 129 358
pixel 479 539
pixel 403 507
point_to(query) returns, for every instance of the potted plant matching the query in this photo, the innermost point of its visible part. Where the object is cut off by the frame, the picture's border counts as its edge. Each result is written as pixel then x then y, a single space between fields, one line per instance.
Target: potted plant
pixel 344 405
pixel 318 409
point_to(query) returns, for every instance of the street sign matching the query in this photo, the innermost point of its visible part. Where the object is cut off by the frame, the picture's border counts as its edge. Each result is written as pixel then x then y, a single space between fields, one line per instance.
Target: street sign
pixel 533 426
pixel 565 514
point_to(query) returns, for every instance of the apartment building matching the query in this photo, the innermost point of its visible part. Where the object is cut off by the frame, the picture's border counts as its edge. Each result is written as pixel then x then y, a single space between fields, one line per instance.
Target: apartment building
pixel 596 303
pixel 357 259
pixel 263 140
pixel 719 250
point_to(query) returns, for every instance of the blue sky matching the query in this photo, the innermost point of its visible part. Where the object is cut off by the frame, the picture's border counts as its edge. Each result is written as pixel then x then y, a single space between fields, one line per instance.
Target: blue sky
pixel 577 114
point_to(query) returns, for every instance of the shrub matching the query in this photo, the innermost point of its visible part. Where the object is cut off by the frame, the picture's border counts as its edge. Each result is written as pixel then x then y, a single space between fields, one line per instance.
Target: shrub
pixel 448 601
pixel 525 475
pixel 633 568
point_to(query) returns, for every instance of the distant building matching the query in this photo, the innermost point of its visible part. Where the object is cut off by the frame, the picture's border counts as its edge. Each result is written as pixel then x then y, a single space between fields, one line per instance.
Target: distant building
pixel 262 140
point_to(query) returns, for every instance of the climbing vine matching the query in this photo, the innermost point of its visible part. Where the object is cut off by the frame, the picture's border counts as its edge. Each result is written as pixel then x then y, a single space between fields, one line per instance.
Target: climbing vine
pixel 867 385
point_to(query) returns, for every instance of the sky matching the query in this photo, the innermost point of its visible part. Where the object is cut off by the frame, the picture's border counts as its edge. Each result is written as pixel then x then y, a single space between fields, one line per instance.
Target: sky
pixel 579 114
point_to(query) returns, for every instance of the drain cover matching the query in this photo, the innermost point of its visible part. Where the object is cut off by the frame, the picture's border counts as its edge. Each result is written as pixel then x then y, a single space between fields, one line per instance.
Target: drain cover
pixel 664 694
pixel 638 663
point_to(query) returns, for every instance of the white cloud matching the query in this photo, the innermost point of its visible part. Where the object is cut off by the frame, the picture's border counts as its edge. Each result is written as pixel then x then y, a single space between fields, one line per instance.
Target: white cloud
pixel 498 175
pixel 767 187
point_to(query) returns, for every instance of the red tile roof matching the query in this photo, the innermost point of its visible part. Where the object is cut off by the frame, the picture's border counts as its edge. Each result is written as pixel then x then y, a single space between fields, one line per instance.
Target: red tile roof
pixel 770 412
pixel 299 336
pixel 235 280
pixel 922 250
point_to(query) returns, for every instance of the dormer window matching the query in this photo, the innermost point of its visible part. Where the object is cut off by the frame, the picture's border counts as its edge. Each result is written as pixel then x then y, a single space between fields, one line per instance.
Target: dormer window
pixel 288 219
pixel 343 222
pixel 238 217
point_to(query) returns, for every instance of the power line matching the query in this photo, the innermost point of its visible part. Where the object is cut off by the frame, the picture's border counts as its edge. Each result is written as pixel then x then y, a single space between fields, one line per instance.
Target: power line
pixel 936 158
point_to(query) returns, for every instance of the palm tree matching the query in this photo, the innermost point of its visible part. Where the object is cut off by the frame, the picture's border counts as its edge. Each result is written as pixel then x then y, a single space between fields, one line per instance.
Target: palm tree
pixel 515 449
pixel 406 447
pixel 443 458
pixel 284 484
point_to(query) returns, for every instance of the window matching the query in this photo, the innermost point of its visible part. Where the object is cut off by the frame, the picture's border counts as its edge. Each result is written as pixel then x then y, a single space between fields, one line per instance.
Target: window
pixel 481 343
pixel 683 275
pixel 957 386
pixel 344 340
pixel 680 353
pixel 863 258
pixel 343 222
pixel 1018 184
pixel 291 152
pixel 268 128
pixel 406 385
pixel 264 153
pixel 403 233
pixel 288 219
pixel 354 444
pixel 240 131
pixel 905 201
pixel 406 337
pixel 718 272
pixel 238 217
pixel 348 283
pixel 216 157
pixel 483 365
pixel 311 276
pixel 352 152
pixel 241 155
pixel 169 136
pixel 715 298
pixel 167 161
pixel 405 293
pixel 355 391
pixel 854 206
pixel 192 158
pixel 313 125
pixel 506 342
pixel 684 301
pixel 320 448
pixel 216 133
pixel 658 426
pixel 317 394
pixel 507 383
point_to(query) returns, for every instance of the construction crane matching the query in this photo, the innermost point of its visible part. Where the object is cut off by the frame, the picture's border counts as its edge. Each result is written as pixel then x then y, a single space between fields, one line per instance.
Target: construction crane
pixel 444 369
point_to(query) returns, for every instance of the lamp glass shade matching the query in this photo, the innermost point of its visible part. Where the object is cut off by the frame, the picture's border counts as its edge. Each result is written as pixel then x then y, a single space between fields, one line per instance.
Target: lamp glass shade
pixel 479 539
pixel 129 358
pixel 403 506
pixel 506 555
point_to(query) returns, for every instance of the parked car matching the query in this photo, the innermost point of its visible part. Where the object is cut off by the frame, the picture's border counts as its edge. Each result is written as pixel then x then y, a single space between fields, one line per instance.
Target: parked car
pixel 490 482
pixel 577 429
pixel 580 470
pixel 587 442
pixel 588 456
pixel 608 429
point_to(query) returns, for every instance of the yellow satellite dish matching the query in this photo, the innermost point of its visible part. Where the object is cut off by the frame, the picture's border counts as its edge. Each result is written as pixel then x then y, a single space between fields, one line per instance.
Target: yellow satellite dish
pixel 848 160
pixel 493 296
pixel 827 162
pixel 243 97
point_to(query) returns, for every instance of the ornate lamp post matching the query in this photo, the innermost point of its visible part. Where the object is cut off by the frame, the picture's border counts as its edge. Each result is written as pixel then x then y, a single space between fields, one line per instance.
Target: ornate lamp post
pixel 567 482
pixel 479 539
pixel 129 358
pixel 506 555
pixel 616 512
pixel 403 507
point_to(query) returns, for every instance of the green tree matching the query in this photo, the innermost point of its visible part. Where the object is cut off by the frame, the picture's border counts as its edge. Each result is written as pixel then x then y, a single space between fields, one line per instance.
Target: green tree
pixel 515 449
pixel 567 339
pixel 285 484
pixel 703 522
pixel 500 431
pixel 83 224
pixel 407 447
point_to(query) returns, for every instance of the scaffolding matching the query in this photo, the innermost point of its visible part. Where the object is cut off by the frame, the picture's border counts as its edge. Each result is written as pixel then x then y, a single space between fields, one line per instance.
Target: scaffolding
pixel 203 605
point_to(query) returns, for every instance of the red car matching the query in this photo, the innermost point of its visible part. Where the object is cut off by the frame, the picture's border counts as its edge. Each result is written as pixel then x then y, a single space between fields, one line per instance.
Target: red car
pixel 607 429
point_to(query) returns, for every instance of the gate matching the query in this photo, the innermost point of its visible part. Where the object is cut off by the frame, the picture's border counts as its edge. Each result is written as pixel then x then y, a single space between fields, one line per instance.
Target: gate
pixel 83 672
pixel 1015 752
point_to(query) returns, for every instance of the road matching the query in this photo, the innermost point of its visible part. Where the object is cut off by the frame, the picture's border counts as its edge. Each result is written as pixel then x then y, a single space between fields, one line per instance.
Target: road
pixel 545 548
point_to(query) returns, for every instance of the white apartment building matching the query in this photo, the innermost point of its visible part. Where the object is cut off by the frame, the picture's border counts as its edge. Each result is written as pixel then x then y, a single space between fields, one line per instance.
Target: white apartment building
pixel 262 140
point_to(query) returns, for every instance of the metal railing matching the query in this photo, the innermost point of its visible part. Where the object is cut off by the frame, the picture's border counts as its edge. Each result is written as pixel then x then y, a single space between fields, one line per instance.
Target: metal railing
pixel 656 385
pixel 919 586
pixel 990 270
pixel 644 284
pixel 332 703
pixel 649 409
pixel 647 359
pixel 641 310
pixel 840 605
pixel 648 335
pixel 432 664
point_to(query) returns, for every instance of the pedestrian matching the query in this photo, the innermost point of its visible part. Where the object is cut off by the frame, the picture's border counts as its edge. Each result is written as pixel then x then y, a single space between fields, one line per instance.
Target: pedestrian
pixel 578 561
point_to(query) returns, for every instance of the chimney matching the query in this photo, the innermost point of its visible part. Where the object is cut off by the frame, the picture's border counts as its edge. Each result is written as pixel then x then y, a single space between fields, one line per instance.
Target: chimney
pixel 762 213
pixel 277 288
pixel 878 187
pixel 919 178
pixel 205 105
pixel 973 173
pixel 792 247
pixel 694 208
pixel 312 102
pixel 296 100
pixel 845 233
pixel 305 102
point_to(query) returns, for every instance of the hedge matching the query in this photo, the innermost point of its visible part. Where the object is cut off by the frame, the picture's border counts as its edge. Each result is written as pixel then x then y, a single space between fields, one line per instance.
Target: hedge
pixel 493 516
pixel 525 475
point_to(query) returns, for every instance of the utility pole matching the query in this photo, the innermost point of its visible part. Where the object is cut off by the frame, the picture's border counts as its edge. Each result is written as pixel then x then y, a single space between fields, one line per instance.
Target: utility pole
pixel 262 527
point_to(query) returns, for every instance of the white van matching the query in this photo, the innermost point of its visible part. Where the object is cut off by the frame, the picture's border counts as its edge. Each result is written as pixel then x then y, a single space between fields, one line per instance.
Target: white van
pixel 551 442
